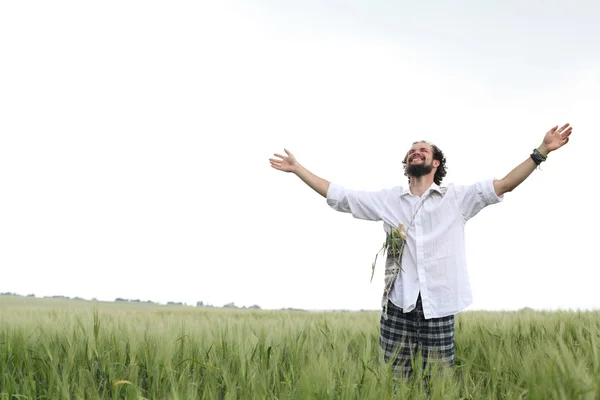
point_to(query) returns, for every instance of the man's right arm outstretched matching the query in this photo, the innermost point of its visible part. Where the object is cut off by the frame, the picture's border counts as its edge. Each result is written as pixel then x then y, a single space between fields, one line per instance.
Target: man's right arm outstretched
pixel 361 204
pixel 290 164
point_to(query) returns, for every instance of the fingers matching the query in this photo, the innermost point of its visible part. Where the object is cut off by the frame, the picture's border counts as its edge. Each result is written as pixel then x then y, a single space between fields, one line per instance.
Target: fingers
pixel 566 131
pixel 275 164
pixel 289 153
pixel 564 136
pixel 562 128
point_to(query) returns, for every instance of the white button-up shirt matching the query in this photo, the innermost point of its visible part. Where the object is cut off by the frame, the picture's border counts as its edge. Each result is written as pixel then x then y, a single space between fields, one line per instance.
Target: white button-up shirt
pixel 434 259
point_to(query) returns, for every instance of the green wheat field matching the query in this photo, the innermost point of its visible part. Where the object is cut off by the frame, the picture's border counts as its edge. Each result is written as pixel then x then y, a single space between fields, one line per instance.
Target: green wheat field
pixel 76 349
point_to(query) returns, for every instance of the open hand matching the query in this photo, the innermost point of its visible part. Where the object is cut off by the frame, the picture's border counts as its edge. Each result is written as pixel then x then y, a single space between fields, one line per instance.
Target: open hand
pixel 283 163
pixel 556 138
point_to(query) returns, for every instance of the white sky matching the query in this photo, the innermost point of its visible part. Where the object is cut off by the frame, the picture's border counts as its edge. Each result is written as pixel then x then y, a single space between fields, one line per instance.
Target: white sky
pixel 135 137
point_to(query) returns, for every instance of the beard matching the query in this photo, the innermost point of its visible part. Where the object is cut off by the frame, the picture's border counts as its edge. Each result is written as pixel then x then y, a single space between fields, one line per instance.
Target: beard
pixel 418 170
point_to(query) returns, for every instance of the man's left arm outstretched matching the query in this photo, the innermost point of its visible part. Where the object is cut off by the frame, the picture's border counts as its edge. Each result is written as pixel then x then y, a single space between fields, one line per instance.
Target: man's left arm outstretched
pixel 554 139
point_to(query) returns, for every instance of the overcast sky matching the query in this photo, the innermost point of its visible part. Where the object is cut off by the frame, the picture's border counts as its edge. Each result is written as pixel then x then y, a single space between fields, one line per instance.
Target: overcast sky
pixel 135 137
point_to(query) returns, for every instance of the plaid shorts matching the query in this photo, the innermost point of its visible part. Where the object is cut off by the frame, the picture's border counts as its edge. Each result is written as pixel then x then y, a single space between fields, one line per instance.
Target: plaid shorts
pixel 406 334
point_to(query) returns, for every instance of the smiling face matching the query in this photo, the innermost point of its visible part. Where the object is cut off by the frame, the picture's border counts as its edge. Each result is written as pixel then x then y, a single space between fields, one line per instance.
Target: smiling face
pixel 419 160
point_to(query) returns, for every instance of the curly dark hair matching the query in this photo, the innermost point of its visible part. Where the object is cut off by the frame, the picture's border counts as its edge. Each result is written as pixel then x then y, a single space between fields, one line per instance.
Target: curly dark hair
pixel 440 173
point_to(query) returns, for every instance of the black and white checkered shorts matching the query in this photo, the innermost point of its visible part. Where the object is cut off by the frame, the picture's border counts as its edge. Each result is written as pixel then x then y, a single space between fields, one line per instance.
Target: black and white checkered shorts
pixel 407 334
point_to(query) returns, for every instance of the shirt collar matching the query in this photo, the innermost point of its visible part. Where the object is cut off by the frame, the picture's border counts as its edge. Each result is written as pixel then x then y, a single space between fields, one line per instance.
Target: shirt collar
pixel 434 188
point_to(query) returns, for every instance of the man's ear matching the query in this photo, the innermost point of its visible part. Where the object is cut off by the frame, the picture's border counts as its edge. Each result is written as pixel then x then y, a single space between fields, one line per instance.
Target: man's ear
pixel 436 163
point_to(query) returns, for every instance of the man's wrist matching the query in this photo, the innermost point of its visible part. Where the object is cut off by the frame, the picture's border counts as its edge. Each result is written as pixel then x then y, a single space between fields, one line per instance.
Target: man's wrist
pixel 296 168
pixel 544 150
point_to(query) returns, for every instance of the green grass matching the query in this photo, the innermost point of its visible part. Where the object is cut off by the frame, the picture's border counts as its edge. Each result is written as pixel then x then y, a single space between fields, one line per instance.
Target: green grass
pixel 59 349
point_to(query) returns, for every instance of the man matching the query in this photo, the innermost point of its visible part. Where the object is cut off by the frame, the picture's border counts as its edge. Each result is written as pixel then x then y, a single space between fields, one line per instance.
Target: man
pixel 426 280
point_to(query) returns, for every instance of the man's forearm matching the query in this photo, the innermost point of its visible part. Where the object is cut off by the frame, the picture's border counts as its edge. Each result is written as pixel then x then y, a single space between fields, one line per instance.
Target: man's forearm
pixel 517 175
pixel 320 185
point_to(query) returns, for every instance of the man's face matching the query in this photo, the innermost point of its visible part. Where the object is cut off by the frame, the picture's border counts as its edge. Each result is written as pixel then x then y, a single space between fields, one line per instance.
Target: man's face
pixel 419 160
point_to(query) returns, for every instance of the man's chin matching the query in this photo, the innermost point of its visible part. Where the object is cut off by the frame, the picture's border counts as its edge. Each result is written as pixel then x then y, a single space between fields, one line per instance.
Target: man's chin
pixel 418 170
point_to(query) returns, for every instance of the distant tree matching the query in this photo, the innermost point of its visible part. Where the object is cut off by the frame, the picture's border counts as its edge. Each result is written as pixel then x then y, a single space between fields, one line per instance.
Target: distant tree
pixel 31 295
pixel 230 305
pixel 254 307
pixel 120 299
pixel 199 304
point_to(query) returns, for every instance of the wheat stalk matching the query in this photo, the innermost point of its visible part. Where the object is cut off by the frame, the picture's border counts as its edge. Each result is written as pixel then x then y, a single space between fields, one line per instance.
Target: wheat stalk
pixel 394 242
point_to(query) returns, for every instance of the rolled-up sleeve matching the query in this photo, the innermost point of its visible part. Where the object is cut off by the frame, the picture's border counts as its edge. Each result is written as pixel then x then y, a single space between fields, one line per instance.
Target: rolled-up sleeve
pixel 474 198
pixel 367 205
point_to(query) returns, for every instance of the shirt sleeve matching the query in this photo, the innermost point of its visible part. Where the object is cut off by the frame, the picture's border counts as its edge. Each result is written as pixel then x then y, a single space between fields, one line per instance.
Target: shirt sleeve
pixel 368 205
pixel 474 198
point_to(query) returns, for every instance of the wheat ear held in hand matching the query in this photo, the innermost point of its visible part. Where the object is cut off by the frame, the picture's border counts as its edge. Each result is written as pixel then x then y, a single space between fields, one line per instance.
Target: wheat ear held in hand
pixel 394 245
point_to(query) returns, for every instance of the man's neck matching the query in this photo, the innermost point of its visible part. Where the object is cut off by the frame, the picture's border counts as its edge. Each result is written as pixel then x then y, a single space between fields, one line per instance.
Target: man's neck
pixel 419 185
